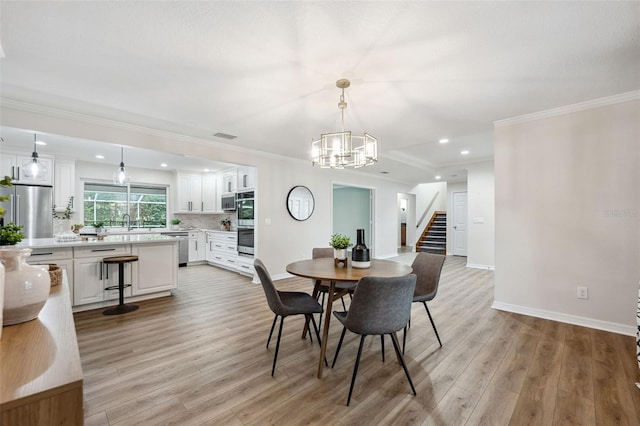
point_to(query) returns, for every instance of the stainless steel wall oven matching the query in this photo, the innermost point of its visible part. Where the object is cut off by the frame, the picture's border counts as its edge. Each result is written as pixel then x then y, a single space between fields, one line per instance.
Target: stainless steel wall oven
pixel 246 219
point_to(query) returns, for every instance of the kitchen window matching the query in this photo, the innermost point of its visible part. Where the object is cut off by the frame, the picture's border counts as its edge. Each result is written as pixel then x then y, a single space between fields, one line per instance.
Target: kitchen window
pixel 107 204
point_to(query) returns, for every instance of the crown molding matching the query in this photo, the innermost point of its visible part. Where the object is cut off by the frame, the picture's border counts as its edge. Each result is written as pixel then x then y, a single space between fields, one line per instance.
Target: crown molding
pixel 595 103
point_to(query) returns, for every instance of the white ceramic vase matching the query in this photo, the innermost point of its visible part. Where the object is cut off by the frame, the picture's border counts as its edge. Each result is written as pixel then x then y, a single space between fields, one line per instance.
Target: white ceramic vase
pixel 26 287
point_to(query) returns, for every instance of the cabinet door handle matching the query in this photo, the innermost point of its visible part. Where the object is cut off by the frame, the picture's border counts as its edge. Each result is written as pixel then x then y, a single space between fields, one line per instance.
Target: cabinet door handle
pixel 17 173
pixel 105 249
pixel 196 245
pixel 202 205
pixel 41 254
pixel 13 172
pixel 244 180
pixel 100 267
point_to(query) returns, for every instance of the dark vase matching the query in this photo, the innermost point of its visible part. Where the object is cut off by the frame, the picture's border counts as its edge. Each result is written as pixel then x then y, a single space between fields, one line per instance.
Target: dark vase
pixel 360 253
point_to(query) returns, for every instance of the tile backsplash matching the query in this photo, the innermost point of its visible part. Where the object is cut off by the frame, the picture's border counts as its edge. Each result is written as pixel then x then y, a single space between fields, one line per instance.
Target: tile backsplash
pixel 204 221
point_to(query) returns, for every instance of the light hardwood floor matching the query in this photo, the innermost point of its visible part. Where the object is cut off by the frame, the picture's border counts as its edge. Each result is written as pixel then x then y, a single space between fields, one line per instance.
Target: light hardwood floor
pixel 199 357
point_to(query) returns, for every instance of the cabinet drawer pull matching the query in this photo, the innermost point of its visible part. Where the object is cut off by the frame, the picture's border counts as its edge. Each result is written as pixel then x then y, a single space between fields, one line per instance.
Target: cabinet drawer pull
pixel 41 254
pixel 105 249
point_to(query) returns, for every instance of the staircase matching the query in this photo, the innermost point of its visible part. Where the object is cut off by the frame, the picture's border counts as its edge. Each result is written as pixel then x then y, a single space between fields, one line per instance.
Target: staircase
pixel 434 237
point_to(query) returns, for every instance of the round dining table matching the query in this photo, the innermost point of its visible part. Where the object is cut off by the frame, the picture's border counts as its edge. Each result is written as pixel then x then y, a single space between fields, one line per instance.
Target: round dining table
pixel 324 269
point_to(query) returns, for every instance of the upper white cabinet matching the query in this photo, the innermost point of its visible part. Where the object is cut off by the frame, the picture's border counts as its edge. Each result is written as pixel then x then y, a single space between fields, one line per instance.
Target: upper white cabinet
pixel 11 164
pixel 196 193
pixel 229 181
pixel 209 193
pixel 246 178
pixel 64 184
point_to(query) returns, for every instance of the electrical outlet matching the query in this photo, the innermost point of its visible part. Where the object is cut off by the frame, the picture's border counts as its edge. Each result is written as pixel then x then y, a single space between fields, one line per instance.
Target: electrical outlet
pixel 583 293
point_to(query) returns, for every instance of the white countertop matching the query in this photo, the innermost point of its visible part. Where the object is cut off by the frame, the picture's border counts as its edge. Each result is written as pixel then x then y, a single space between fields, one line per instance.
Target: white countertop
pixel 93 241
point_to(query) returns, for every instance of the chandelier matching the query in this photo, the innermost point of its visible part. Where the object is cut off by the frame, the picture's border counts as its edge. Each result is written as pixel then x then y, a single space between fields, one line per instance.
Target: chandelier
pixel 341 149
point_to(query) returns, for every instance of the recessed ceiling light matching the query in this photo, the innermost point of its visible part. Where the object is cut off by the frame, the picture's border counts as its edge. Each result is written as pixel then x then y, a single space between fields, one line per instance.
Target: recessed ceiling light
pixel 438 177
pixel 100 156
pixel 207 170
pixel 385 173
pixel 465 152
pixel 443 140
pixel 163 164
pixel 40 143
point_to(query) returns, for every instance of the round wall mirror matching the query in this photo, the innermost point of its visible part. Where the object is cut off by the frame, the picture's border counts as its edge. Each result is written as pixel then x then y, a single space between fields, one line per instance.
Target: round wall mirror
pixel 300 203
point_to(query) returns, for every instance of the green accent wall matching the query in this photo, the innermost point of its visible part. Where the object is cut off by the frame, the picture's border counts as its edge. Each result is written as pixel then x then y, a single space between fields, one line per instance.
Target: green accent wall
pixel 351 211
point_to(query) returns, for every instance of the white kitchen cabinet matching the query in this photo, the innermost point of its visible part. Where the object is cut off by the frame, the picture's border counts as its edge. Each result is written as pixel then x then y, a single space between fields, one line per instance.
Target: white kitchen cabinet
pixel 209 194
pixel 246 176
pixel 209 253
pixel 62 257
pixel 224 249
pixel 196 193
pixel 11 164
pixel 229 180
pixel 64 184
pixel 244 265
pixel 92 276
pixel 189 193
pixel 197 246
pixel 152 272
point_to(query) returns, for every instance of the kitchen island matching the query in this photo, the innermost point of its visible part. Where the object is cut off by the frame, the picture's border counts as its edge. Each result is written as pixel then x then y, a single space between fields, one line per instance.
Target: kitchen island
pixel 155 273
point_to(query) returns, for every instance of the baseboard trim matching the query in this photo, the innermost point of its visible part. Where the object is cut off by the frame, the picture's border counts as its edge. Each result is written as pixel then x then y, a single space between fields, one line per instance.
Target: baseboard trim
pixel 627 330
pixel 479 266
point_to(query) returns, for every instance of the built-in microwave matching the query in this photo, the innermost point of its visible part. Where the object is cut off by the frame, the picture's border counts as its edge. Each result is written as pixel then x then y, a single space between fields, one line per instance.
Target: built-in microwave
pixel 229 202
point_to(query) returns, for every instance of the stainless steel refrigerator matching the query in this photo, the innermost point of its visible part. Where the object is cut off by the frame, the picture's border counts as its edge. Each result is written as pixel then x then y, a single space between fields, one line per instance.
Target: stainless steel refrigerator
pixel 30 206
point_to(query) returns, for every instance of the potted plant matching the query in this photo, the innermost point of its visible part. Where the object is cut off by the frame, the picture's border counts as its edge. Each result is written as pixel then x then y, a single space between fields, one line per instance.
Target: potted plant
pixel 99 226
pixel 77 227
pixel 225 224
pixel 62 219
pixel 175 223
pixel 340 244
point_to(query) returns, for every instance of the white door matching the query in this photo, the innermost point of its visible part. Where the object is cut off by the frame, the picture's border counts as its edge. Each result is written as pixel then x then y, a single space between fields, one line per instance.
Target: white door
pixel 459 223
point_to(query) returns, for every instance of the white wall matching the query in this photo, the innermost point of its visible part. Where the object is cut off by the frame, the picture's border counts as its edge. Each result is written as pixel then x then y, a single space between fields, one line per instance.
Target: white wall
pixel 568 213
pixel 282 241
pixel 480 215
pixel 451 188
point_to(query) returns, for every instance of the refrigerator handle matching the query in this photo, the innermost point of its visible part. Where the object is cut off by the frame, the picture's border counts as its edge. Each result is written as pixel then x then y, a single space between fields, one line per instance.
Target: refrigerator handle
pixel 16 210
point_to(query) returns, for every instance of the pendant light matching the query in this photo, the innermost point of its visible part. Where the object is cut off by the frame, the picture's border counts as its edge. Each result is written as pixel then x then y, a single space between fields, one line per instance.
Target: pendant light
pixel 34 169
pixel 341 149
pixel 120 176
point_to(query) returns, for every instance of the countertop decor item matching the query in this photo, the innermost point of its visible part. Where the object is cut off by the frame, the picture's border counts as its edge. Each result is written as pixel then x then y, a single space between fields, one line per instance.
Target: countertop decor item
pixel 360 257
pixel 340 244
pixel 55 274
pixel 225 224
pixel 338 150
pixel 26 287
pixel 175 223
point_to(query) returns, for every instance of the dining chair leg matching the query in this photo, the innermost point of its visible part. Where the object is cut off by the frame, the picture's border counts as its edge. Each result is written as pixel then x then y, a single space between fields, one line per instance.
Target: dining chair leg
pixel 272 327
pixel 355 368
pixel 404 365
pixel 432 323
pixel 307 317
pixel 343 305
pixel 404 338
pixel 275 357
pixel 335 357
pixel 321 304
pixel 382 345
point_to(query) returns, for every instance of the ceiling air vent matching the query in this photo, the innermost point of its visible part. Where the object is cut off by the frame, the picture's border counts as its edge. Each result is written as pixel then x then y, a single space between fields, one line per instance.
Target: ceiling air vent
pixel 224 136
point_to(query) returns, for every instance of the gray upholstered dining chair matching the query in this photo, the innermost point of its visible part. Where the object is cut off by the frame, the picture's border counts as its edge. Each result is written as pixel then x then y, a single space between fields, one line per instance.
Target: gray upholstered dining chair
pixel 380 306
pixel 284 304
pixel 427 267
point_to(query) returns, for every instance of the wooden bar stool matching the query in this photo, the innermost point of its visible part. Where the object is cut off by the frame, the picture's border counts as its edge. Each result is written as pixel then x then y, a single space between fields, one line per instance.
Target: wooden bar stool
pixel 121 308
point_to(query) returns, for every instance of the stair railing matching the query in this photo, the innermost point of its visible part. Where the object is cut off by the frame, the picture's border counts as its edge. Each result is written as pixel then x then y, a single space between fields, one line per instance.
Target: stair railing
pixel 426 211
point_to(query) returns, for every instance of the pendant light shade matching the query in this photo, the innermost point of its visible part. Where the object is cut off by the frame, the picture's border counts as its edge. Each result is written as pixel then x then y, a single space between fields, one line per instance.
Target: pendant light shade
pixel 34 169
pixel 120 176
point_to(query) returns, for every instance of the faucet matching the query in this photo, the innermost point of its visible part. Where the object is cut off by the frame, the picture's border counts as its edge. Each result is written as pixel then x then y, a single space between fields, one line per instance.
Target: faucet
pixel 128 221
